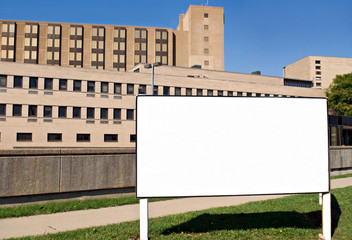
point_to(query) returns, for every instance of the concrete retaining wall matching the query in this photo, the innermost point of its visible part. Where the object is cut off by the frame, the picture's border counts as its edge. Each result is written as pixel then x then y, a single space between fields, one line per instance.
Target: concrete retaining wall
pixel 32 172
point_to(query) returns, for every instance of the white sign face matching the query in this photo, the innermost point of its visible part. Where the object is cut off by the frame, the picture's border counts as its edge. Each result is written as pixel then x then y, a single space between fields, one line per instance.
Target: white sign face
pixel 219 146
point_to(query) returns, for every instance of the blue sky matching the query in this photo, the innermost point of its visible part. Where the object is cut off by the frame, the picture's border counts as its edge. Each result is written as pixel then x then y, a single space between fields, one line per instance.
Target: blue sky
pixel 260 35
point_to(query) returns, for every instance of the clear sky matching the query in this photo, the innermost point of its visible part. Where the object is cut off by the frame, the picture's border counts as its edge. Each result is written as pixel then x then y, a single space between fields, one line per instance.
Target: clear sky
pixel 263 35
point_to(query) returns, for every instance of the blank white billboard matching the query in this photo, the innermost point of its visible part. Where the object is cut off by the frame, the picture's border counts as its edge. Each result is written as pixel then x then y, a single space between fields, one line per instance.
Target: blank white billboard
pixel 219 146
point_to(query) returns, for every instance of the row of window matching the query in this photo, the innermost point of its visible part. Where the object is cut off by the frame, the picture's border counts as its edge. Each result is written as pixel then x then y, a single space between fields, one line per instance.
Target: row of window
pixel 80 137
pixel 54 39
pixel 62 112
pixel 318 78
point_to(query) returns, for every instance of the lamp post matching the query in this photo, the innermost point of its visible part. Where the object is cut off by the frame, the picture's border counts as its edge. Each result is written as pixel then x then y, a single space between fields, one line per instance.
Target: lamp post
pixel 156 64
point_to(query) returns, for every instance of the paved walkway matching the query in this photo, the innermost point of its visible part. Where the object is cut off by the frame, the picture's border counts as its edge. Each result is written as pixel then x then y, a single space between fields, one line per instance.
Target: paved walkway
pixel 59 222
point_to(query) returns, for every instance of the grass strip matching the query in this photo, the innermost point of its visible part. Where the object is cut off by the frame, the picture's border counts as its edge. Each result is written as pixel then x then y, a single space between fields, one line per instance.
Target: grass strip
pixel 341 176
pixel 292 217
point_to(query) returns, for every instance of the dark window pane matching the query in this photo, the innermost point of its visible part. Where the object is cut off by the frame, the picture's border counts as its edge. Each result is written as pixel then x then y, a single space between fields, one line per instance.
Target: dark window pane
pixel 54 137
pixel 142 89
pixel 77 85
pixel 199 92
pixel 155 90
pixel 76 112
pixel 33 82
pixel 90 113
pixel 2 109
pixel 32 111
pixel 17 110
pixel 188 91
pixel 177 91
pixel 220 93
pixel 117 113
pixel 83 137
pixel 103 113
pixel 17 82
pixel 130 89
pixel 110 137
pixel 25 137
pixel 129 114
pixel 63 84
pixel 91 86
pixel 133 138
pixel 48 83
pixel 48 111
pixel 230 93
pixel 3 81
pixel 210 93
pixel 249 94
pixel 117 88
pixel 240 94
pixel 104 87
pixel 62 112
pixel 166 91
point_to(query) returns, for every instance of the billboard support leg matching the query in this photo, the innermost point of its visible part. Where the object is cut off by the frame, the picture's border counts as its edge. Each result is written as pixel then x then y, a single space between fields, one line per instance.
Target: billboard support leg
pixel 143 218
pixel 327 215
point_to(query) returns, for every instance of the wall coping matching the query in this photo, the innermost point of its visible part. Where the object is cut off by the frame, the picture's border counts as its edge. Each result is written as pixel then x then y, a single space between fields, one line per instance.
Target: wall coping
pixel 65 151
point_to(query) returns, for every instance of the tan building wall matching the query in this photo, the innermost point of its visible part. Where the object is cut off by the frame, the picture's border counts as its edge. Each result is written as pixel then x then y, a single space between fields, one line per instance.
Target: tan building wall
pixel 321 70
pixel 173 79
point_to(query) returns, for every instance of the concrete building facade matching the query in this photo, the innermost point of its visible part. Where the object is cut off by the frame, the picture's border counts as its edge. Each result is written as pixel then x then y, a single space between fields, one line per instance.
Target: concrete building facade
pixel 320 70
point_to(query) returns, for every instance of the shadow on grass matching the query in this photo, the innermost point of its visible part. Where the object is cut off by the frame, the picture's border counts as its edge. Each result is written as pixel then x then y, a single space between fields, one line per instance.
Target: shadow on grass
pixel 243 221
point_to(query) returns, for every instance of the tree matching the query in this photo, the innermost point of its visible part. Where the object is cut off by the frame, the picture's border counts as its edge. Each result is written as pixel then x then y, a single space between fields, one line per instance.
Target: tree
pixel 339 94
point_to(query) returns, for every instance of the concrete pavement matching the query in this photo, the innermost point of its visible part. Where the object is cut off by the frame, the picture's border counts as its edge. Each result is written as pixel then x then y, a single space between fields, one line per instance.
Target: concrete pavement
pixel 59 222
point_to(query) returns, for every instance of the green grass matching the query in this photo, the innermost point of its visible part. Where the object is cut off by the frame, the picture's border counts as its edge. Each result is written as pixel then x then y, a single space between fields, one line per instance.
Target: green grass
pixel 292 217
pixel 341 176
pixel 65 206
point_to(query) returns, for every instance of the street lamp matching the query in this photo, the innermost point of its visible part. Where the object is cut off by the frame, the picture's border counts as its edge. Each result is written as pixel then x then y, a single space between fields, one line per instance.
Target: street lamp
pixel 148 65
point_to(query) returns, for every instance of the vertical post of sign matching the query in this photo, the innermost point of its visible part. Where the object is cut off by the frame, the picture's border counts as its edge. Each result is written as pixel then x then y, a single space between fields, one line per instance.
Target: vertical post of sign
pixel 143 218
pixel 327 215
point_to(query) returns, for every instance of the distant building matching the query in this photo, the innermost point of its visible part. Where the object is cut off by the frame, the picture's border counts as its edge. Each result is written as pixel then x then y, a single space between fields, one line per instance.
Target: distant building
pixel 320 70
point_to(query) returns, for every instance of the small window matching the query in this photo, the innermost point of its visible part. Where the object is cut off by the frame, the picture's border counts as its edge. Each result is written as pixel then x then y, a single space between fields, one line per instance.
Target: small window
pixel 110 137
pixel 318 78
pixel 209 92
pixel 142 89
pixel 63 84
pixel 2 109
pixel 199 92
pixel 188 91
pixel 17 82
pixel 206 27
pixel 206 39
pixel 48 83
pixel 133 138
pixel 155 90
pixel 104 87
pixel 317 72
pixel 318 67
pixel 81 137
pixel 62 112
pixel 77 85
pixel 206 50
pixel 90 113
pixel 3 81
pixel 249 94
pixel 317 61
pixel 33 82
pixel 54 137
pixel 117 113
pixel 220 93
pixel 166 91
pixel 258 95
pixel 206 63
pixel 24 137
pixel 103 113
pixel 76 112
pixel 90 86
pixel 130 114
pixel 17 110
pixel 230 93
pixel 318 84
pixel 177 91
pixel 32 111
pixel 239 94
pixel 267 95
pixel 206 15
pixel 117 88
pixel 130 89
pixel 48 111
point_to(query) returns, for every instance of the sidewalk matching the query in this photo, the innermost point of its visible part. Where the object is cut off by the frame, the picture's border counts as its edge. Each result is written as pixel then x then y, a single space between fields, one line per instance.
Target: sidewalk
pixel 60 222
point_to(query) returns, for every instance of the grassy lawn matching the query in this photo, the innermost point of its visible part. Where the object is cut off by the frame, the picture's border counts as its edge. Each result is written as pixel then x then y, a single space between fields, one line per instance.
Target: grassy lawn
pixel 341 176
pixel 292 217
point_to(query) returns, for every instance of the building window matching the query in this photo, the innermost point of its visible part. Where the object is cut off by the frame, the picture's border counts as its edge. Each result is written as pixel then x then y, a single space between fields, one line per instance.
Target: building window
pixel 161 46
pixel 206 15
pixel 76 113
pixel 220 93
pixel 48 111
pixel 2 109
pixel 110 137
pixel 90 113
pixel 31 43
pixel 249 94
pixel 239 94
pixel 317 61
pixel 103 113
pixel 62 112
pixel 8 41
pixel 177 91
pixel 17 82
pixel 48 83
pixel 317 72
pixel 133 138
pixel 54 137
pixel 206 62
pixel 83 137
pixel 33 82
pixel 117 88
pixel 24 137
pixel 142 89
pixel 209 92
pixel 206 27
pixel 129 114
pixel 76 46
pixel 32 110
pixel 117 113
pixel 77 85
pixel 166 91
pixel 140 45
pixel 119 52
pixel 199 92
pixel 54 44
pixel 318 78
pixel 318 84
pixel 155 90
pixel 188 91
pixel 258 95
pixel 98 47
pixel 90 86
pixel 206 39
pixel 63 84
pixel 104 87
pixel 230 93
pixel 130 89
pixel 17 110
pixel 3 81
pixel 318 67
pixel 206 50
